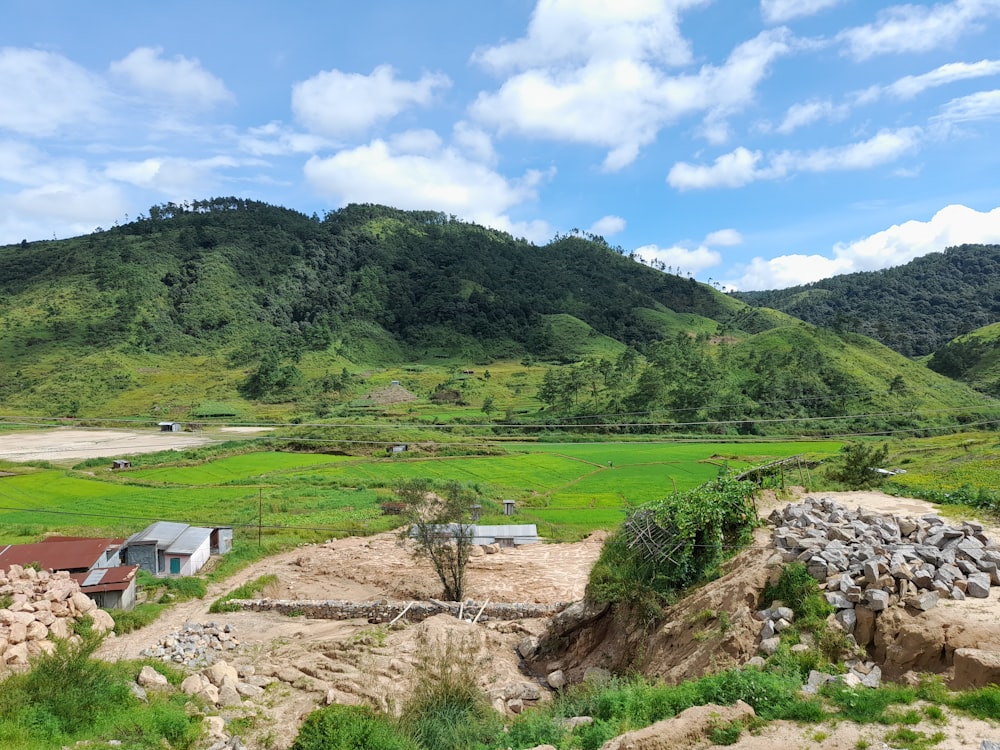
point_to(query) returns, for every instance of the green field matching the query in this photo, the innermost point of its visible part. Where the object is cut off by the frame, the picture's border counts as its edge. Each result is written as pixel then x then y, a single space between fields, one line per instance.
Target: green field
pixel 567 489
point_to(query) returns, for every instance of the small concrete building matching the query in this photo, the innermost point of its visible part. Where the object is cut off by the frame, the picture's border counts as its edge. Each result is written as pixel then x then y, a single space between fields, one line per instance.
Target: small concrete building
pixel 170 426
pixel 506 536
pixel 121 463
pixel 176 549
pixel 110 588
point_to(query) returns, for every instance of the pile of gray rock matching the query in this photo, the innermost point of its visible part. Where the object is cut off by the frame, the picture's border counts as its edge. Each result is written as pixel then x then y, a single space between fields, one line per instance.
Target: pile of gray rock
pixel 37 605
pixel 874 561
pixel 195 645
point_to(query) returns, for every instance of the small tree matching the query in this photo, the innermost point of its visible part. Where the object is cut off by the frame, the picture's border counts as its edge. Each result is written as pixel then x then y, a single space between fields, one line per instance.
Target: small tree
pixel 441 529
pixel 857 464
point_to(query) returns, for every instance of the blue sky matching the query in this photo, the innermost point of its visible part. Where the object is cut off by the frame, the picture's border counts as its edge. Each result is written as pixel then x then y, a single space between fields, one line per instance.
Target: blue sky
pixel 756 144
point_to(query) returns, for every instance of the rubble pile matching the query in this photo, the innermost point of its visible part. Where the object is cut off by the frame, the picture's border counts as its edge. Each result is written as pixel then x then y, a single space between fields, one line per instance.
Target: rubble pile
pixel 36 605
pixel 195 645
pixel 870 561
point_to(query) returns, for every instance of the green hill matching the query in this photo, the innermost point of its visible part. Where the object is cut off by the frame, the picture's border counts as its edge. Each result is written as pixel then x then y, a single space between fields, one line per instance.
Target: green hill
pixel 236 309
pixel 973 358
pixel 914 308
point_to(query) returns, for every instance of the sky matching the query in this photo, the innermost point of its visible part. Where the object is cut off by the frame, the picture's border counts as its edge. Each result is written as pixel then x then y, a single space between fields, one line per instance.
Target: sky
pixel 753 144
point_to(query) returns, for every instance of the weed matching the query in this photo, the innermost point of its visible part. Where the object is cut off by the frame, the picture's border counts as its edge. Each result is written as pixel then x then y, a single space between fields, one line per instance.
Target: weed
pixel 726 735
pixel 248 590
pixel 819 736
pixel 913 740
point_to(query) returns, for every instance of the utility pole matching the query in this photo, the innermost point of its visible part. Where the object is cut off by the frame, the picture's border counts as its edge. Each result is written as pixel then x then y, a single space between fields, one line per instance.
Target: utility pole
pixel 260 514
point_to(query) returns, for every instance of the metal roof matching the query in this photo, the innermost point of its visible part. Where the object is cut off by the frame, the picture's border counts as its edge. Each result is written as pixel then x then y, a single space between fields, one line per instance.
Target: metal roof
pixel 57 555
pixel 189 541
pixel 507 532
pixel 106 579
pixel 163 533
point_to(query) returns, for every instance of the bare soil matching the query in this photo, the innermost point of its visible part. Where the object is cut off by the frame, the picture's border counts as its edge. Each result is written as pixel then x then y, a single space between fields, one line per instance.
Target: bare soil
pixel 70 443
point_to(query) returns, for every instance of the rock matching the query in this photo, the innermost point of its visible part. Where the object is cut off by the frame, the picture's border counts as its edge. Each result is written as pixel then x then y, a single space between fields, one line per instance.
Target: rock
pixel 193 684
pixel 847 620
pixel 975 668
pixel 103 622
pixel 16 654
pixel 576 721
pixel 210 694
pixel 515 705
pixel 923 601
pixel 978 586
pixel 770 645
pixel 221 673
pixel 138 691
pixel 526 691
pixel 18 633
pixel 527 647
pixel 36 631
pixel 688 729
pixel 877 599
pixel 150 678
pixel 249 691
pixel 229 696
pixel 756 662
pixel 556 680
pixel 83 603
pixel 215 726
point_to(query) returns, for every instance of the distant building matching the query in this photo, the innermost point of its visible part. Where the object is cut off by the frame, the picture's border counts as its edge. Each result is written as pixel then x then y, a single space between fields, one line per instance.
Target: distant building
pixel 170 426
pixel 93 563
pixel 508 507
pixel 399 448
pixel 121 463
pixel 72 554
pixel 505 536
pixel 176 549
pixel 110 588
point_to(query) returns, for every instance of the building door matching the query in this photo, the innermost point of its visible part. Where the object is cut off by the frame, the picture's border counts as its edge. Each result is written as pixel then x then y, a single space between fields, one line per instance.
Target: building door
pixel 175 566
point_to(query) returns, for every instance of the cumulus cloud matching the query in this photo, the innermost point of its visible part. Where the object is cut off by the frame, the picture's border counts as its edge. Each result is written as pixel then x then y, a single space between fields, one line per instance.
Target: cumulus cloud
pixel 683 259
pixel 598 73
pixel 742 166
pixel 339 104
pixel 916 28
pixel 901 243
pixel 181 80
pixel 43 92
pixel 607 226
pixel 415 171
pixel 780 11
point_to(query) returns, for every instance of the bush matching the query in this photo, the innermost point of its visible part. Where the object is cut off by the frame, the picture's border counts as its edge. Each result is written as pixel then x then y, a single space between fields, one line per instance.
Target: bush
pixel 139 617
pixel 248 590
pixel 800 592
pixel 856 464
pixel 350 728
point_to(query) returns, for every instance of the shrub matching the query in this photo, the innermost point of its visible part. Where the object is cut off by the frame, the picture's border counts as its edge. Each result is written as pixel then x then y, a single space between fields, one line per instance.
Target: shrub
pixel 350 728
pixel 248 590
pixel 138 617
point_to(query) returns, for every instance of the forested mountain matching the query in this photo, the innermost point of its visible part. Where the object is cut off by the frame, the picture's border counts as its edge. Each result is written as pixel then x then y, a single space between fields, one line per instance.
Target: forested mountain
pixel 915 308
pixel 257 310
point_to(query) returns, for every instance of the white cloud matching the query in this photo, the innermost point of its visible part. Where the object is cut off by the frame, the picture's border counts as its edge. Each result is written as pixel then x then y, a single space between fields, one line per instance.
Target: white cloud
pixel 177 177
pixel 742 166
pixel 724 238
pixel 983 105
pixel 597 73
pixel 437 178
pixel 734 169
pixel 780 11
pixel 806 113
pixel 340 104
pixel 899 244
pixel 43 92
pixel 572 32
pixel 916 28
pixel 475 142
pixel 181 80
pixel 910 86
pixel 274 139
pixel 607 226
pixel 681 258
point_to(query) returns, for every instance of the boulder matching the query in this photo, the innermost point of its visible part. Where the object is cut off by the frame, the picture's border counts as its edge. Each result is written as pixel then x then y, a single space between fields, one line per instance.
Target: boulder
pixel 975 668
pixel 150 678
pixel 688 729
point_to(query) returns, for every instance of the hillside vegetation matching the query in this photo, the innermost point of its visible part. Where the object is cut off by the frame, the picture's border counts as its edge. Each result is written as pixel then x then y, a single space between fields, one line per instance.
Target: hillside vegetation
pixel 234 309
pixel 914 308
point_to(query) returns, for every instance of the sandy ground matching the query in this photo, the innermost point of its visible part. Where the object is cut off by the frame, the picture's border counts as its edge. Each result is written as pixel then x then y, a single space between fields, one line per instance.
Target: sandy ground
pixel 70 443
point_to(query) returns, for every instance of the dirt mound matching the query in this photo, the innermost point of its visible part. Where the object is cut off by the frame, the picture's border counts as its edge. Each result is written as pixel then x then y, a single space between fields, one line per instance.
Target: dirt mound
pixel 392 394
